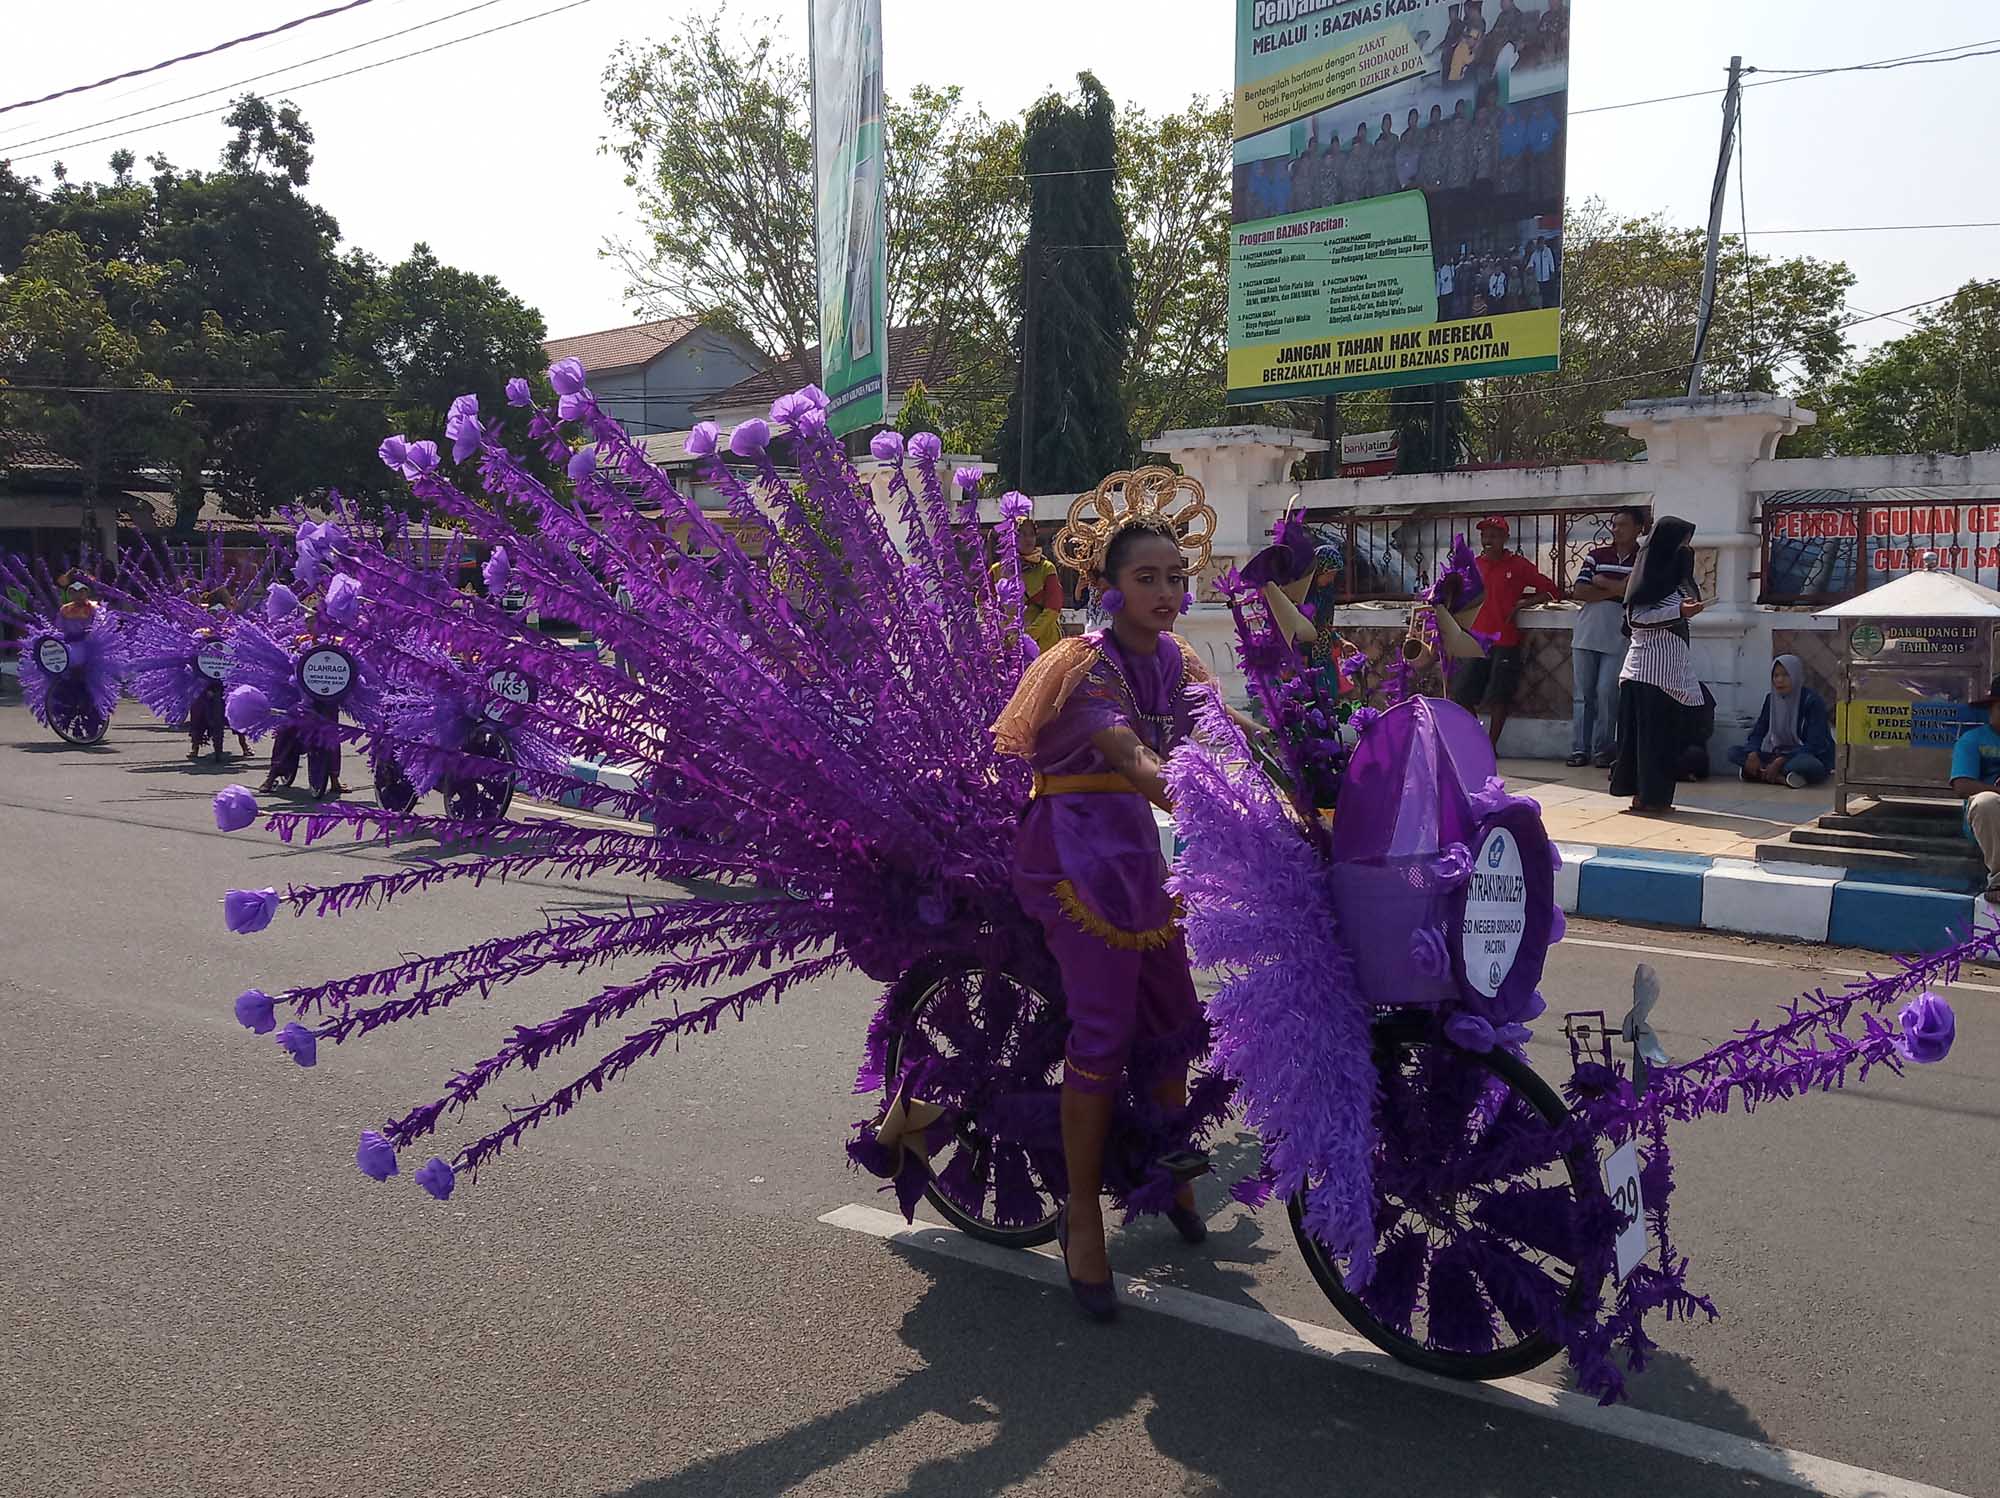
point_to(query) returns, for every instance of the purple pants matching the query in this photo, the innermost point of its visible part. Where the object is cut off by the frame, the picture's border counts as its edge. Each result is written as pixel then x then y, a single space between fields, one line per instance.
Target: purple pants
pixel 1129 1010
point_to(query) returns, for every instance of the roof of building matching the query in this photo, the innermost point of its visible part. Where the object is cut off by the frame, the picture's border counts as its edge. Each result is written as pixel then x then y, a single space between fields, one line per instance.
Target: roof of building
pixel 24 450
pixel 622 348
pixel 911 358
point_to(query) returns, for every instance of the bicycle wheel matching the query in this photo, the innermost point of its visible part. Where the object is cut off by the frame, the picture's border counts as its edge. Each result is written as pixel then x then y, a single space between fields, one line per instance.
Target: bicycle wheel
pixel 1476 1228
pixel 481 798
pixel 988 1047
pixel 74 717
pixel 393 791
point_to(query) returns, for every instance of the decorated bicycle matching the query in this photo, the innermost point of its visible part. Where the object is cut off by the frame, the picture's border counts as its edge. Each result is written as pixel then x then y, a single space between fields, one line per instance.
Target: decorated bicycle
pixel 1378 969
pixel 72 654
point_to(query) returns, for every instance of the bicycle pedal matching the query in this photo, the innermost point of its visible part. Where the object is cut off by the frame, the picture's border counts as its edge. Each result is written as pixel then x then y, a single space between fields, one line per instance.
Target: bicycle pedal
pixel 1185 1165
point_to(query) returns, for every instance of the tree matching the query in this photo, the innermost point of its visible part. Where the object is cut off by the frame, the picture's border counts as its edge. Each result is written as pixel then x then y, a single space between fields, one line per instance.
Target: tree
pixel 1631 293
pixel 716 145
pixel 222 286
pixel 1934 390
pixel 1073 302
pixel 1173 190
pixel 715 134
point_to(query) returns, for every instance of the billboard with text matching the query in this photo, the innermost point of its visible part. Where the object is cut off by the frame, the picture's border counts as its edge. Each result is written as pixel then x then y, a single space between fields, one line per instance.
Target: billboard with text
pixel 849 210
pixel 1397 195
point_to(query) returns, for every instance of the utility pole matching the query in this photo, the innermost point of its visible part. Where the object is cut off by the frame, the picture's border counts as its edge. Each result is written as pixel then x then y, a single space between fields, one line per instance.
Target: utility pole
pixel 1731 103
pixel 1329 428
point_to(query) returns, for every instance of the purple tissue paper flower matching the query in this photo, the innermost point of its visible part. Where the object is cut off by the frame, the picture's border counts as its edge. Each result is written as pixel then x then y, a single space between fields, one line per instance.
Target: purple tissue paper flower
pixel 235 808
pixel 701 441
pixel 933 909
pixel 567 376
pixel 1014 505
pixel 814 397
pixel 280 604
pixel 520 392
pixel 299 1043
pixel 1363 718
pixel 1428 954
pixel 254 1011
pixel 751 438
pixel 246 709
pixel 498 571
pixel 247 910
pixel 1453 864
pixel 887 447
pixel 1929 1028
pixel 437 1178
pixel 926 448
pixel 343 600
pixel 787 410
pixel 570 407
pixel 967 480
pixel 423 458
pixel 582 464
pixel 394 452
pixel 462 426
pixel 376 1156
pixel 1469 1032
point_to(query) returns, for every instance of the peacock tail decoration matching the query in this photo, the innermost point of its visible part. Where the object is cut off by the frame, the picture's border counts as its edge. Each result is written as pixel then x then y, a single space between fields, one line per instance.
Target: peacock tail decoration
pixel 169 623
pixel 801 697
pixel 31 600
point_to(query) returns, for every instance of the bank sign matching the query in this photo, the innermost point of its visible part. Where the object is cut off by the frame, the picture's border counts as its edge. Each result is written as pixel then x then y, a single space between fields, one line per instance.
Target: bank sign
pixel 1396 194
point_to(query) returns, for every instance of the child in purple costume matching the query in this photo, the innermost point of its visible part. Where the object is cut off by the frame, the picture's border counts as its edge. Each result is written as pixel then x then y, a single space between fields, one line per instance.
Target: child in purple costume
pixel 1097 716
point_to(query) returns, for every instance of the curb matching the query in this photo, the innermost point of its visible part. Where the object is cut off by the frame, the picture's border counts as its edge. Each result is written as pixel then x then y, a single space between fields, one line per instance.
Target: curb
pixel 1799 901
pixel 590 772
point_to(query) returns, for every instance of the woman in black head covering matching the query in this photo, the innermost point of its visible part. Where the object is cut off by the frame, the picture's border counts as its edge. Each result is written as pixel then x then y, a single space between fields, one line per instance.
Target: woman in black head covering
pixel 1657 688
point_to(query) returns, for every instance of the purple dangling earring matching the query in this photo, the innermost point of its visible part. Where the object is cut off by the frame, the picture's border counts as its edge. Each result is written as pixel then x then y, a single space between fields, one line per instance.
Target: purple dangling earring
pixel 1187 600
pixel 1113 601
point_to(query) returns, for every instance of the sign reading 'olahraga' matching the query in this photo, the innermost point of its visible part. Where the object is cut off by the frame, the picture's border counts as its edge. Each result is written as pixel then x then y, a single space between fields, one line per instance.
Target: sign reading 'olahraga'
pixel 1396 212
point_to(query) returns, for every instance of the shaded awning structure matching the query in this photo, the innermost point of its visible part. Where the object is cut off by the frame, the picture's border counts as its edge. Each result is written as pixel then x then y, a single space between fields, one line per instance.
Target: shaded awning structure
pixel 1921 595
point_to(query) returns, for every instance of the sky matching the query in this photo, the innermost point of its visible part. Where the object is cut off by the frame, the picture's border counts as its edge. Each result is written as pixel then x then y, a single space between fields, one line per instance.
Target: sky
pixel 489 150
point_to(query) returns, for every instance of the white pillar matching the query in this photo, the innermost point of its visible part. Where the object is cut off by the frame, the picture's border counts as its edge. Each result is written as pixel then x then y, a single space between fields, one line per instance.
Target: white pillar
pixel 1699 452
pixel 1231 464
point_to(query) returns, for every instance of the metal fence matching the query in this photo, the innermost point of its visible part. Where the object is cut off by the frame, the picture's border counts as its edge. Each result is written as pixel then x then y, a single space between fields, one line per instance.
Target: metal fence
pixel 1368 557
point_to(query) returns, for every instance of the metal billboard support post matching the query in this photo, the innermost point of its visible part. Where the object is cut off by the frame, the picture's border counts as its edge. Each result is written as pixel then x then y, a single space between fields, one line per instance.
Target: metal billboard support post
pixel 1731 103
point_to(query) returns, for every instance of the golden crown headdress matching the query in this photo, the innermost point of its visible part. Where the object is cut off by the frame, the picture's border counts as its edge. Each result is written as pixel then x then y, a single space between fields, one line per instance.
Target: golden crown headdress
pixel 1095 517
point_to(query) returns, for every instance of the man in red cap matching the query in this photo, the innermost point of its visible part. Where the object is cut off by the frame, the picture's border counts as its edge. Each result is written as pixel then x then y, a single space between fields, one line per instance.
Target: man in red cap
pixel 1511 581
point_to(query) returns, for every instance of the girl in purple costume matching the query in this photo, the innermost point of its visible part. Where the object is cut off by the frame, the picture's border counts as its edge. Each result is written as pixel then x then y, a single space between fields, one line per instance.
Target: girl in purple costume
pixel 1097 717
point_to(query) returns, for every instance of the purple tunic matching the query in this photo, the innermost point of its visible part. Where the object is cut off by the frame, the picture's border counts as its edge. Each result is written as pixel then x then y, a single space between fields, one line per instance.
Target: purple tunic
pixel 1088 867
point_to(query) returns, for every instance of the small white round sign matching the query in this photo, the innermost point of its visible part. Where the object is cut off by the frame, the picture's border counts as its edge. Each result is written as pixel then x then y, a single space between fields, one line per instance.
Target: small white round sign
pixel 326 673
pixel 511 684
pixel 52 656
pixel 1496 912
pixel 211 660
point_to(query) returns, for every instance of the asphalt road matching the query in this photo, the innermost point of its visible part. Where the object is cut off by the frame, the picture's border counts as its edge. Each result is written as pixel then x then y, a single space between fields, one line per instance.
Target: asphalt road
pixel 199 1294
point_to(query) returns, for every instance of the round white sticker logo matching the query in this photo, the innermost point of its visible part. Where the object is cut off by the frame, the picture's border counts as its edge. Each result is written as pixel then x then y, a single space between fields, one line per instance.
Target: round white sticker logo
pixel 326 673
pixel 511 684
pixel 52 656
pixel 210 661
pixel 1496 912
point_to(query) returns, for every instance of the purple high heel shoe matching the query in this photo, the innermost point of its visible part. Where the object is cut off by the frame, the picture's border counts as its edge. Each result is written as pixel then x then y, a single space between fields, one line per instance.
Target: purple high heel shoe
pixel 1097 1301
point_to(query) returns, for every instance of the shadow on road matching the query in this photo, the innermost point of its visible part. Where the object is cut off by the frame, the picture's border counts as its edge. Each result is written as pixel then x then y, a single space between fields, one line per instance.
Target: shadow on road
pixel 1672 1386
pixel 1024 1379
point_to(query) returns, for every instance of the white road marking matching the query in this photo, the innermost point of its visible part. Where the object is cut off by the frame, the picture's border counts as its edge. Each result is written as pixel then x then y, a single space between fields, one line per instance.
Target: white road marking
pixel 1841 972
pixel 1797 1469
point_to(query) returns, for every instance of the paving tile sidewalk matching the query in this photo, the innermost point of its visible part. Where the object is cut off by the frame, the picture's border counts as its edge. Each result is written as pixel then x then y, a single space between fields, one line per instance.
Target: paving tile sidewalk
pixel 1719 818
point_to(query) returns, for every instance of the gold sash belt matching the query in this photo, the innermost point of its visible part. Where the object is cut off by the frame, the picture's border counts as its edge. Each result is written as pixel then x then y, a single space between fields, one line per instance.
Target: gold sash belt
pixel 1108 783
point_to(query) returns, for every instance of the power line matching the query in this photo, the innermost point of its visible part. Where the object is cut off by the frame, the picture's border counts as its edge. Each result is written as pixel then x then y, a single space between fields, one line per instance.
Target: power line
pixel 1795 75
pixel 296 88
pixel 307 62
pixel 1884 228
pixel 84 88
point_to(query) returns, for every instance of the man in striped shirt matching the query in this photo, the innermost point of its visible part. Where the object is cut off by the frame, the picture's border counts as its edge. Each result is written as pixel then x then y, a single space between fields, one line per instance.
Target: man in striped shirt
pixel 1597 648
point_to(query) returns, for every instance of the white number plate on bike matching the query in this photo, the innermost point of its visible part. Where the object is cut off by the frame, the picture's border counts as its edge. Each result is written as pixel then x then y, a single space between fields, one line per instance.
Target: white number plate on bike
pixel 1621 1184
